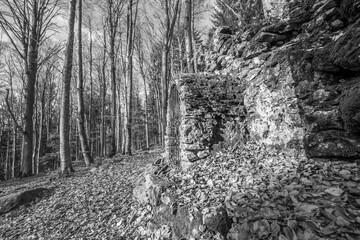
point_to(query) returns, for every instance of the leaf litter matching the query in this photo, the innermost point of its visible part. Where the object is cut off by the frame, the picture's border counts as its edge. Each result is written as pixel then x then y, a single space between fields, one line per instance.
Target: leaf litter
pixel 267 195
pixel 88 205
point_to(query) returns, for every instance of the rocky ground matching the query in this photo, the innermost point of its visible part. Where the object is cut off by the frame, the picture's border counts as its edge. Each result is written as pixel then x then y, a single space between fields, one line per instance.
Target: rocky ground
pixel 239 194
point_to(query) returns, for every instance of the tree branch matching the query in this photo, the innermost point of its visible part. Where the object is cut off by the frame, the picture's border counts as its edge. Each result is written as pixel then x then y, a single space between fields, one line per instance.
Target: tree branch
pixel 231 9
pixel 11 113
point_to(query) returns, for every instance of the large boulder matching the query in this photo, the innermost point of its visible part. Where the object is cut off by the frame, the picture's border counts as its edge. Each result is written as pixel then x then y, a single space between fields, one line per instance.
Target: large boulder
pixel 217 220
pixel 332 144
pixel 191 222
pixel 11 201
pixel 149 186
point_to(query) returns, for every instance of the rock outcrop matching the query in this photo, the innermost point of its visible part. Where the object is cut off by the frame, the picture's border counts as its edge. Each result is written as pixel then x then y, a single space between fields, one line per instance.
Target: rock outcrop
pixel 295 85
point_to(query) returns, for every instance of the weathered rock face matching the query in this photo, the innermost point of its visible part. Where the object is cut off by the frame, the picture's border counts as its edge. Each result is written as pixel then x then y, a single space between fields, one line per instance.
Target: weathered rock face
pixel 295 85
pixel 149 187
pixel 300 77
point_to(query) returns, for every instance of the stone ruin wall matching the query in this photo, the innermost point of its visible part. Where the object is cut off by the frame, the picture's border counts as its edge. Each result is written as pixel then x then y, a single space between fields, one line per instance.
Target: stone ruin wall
pixel 204 115
pixel 298 82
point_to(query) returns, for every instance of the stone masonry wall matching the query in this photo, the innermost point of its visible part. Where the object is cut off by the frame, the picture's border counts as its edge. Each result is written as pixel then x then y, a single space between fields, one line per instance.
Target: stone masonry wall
pixel 210 111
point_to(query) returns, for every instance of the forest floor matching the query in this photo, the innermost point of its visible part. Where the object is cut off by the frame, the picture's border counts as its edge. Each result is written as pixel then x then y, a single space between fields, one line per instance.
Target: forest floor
pixel 267 195
pixel 88 205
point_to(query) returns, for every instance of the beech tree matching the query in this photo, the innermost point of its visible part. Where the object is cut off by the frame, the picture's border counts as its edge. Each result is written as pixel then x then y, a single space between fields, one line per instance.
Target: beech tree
pixel 80 96
pixel 114 9
pixel 26 24
pixel 141 62
pixel 130 32
pixel 189 36
pixel 170 20
pixel 65 161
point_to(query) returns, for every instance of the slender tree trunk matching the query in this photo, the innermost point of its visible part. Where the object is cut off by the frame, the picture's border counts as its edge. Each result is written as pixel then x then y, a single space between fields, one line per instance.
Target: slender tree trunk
pixel 35 134
pixel 195 53
pixel 113 17
pixel 188 37
pixel 147 139
pixel 13 153
pixel 7 156
pixel 129 75
pixel 103 153
pixel 119 129
pixel 91 88
pixel 65 161
pixel 102 119
pixel 76 142
pixel 160 118
pixel 143 75
pixel 165 86
pixel 80 90
pixel 180 55
pixel 41 126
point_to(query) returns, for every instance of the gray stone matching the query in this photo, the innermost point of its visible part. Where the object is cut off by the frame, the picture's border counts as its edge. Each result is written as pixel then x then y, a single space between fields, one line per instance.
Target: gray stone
pixel 350 108
pixel 270 37
pixel 256 49
pixel 332 144
pixel 217 220
pixel 148 187
pixel 324 120
pixel 337 25
pixel 11 201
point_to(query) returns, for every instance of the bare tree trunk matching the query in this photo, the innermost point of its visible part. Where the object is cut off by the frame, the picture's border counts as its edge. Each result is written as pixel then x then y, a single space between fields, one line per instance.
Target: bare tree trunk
pixel 25 23
pixel 35 132
pixel 143 75
pixel 146 117
pixel 119 129
pixel 103 147
pixel 41 126
pixel 65 161
pixel 80 90
pixel 170 23
pixel 165 86
pixel 188 37
pixel 91 88
pixel 129 76
pixel 7 156
pixel 13 153
pixel 102 120
pixel 180 55
pixel 30 71
pixel 113 20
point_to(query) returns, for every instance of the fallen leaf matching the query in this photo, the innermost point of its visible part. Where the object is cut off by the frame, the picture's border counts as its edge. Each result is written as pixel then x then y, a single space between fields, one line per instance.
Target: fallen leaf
pixel 341 221
pixel 335 191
